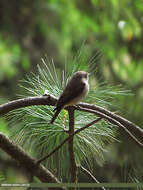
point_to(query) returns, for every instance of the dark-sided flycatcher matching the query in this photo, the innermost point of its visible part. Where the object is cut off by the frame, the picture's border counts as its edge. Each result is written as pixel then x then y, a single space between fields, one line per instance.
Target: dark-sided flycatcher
pixel 76 89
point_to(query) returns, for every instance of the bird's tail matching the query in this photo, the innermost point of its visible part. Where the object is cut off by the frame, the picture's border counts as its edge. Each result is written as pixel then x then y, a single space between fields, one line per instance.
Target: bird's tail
pixel 58 109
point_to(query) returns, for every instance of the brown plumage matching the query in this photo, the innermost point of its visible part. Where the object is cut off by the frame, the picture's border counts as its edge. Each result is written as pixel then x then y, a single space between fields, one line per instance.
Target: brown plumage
pixel 76 89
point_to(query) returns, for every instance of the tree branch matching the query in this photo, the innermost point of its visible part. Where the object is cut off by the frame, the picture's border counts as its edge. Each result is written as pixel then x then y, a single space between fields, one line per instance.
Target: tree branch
pixel 134 129
pixel 25 102
pixel 73 167
pixel 51 100
pixel 113 121
pixel 26 161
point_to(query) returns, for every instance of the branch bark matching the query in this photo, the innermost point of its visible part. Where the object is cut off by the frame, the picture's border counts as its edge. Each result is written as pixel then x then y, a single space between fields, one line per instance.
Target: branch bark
pixel 73 167
pixel 25 102
pixel 27 161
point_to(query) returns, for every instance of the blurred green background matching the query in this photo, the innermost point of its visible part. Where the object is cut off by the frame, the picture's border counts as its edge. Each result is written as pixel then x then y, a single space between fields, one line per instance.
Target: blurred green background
pixel 29 30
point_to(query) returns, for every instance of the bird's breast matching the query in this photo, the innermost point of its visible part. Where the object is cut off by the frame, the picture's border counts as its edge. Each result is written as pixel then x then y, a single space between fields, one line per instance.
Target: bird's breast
pixel 82 95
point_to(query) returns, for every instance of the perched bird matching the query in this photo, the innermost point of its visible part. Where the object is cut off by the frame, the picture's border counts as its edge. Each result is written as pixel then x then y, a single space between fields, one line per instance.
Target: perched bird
pixel 76 89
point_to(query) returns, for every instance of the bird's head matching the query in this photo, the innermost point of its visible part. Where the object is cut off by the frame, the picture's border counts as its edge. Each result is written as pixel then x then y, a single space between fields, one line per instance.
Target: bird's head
pixel 81 75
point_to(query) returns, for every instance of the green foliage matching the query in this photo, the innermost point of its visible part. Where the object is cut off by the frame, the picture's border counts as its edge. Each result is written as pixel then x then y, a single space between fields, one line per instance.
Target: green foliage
pixel 40 137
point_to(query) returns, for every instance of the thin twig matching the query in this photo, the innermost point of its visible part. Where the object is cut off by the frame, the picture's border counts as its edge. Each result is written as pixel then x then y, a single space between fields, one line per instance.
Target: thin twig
pixel 73 167
pixel 68 138
pixel 91 175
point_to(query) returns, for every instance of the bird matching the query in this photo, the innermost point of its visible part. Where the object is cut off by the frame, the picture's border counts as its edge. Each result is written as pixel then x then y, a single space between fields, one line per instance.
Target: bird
pixel 76 89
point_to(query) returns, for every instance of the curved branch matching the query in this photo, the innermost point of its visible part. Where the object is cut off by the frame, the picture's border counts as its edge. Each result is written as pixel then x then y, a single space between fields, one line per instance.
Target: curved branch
pixel 26 161
pixel 113 121
pixel 25 102
pixel 51 100
pixel 134 129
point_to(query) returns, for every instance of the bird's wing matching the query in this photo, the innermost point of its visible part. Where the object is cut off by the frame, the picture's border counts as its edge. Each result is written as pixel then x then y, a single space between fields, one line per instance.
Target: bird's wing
pixel 70 93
